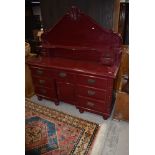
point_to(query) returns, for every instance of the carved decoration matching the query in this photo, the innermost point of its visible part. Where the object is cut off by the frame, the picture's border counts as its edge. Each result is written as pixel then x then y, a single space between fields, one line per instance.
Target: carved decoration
pixel 74 13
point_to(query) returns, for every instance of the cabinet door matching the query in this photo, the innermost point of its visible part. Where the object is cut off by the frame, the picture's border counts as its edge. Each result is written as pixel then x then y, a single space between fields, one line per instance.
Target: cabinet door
pixel 66 92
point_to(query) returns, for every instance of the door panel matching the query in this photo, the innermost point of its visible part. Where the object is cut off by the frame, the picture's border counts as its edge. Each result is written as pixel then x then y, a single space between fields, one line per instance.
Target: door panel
pixel 66 92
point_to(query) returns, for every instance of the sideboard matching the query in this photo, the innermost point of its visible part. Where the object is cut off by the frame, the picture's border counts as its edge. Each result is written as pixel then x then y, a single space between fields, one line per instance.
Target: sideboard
pixel 78 63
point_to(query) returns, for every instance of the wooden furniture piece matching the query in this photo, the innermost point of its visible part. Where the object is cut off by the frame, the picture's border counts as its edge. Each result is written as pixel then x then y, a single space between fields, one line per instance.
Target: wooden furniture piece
pixel 116 15
pixel 121 111
pixel 123 25
pixel 122 106
pixel 29 89
pixel 78 63
pixel 124 67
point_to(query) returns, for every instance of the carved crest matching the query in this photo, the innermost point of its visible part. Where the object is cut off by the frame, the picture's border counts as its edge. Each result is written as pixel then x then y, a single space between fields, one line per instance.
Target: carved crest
pixel 74 13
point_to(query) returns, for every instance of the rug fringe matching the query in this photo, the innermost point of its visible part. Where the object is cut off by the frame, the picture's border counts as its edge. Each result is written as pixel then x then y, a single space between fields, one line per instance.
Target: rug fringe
pixel 99 140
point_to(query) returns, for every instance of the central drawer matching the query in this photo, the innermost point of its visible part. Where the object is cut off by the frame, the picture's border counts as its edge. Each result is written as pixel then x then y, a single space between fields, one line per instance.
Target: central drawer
pixel 91 92
pixel 64 76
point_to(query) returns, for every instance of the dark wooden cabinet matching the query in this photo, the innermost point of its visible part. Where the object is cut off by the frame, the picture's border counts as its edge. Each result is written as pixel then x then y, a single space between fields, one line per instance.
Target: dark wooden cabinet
pixel 44 83
pixel 123 25
pixel 121 111
pixel 78 64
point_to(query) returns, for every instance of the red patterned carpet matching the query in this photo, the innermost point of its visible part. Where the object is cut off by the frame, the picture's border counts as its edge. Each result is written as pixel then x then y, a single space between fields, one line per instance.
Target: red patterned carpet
pixel 50 132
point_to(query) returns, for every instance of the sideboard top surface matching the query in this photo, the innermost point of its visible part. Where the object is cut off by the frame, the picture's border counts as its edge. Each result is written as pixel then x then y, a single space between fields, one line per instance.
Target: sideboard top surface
pixel 85 67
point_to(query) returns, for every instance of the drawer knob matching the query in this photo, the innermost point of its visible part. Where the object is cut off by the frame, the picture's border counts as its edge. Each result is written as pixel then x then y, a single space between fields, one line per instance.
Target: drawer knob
pixel 90 104
pixel 91 92
pixel 41 81
pixel 39 72
pixel 91 81
pixel 62 74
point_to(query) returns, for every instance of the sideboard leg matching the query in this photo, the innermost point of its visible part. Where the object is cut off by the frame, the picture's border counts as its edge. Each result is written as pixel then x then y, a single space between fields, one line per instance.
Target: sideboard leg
pixel 105 117
pixel 81 110
pixel 56 102
pixel 39 98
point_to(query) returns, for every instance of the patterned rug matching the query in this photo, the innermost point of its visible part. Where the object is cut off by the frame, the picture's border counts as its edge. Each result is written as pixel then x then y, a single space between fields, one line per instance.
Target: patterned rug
pixel 50 132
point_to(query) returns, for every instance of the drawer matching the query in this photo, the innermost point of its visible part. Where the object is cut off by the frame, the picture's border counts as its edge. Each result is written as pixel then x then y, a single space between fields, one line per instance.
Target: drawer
pixel 89 103
pixel 40 72
pixel 92 81
pixel 46 92
pixel 41 81
pixel 64 76
pixel 91 92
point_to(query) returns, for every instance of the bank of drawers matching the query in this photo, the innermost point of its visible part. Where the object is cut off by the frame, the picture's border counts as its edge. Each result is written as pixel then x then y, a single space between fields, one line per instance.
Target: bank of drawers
pixel 93 92
pixel 43 82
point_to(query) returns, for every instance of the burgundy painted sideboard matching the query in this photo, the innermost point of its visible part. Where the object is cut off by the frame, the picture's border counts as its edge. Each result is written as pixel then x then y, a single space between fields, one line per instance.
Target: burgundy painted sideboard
pixel 78 63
